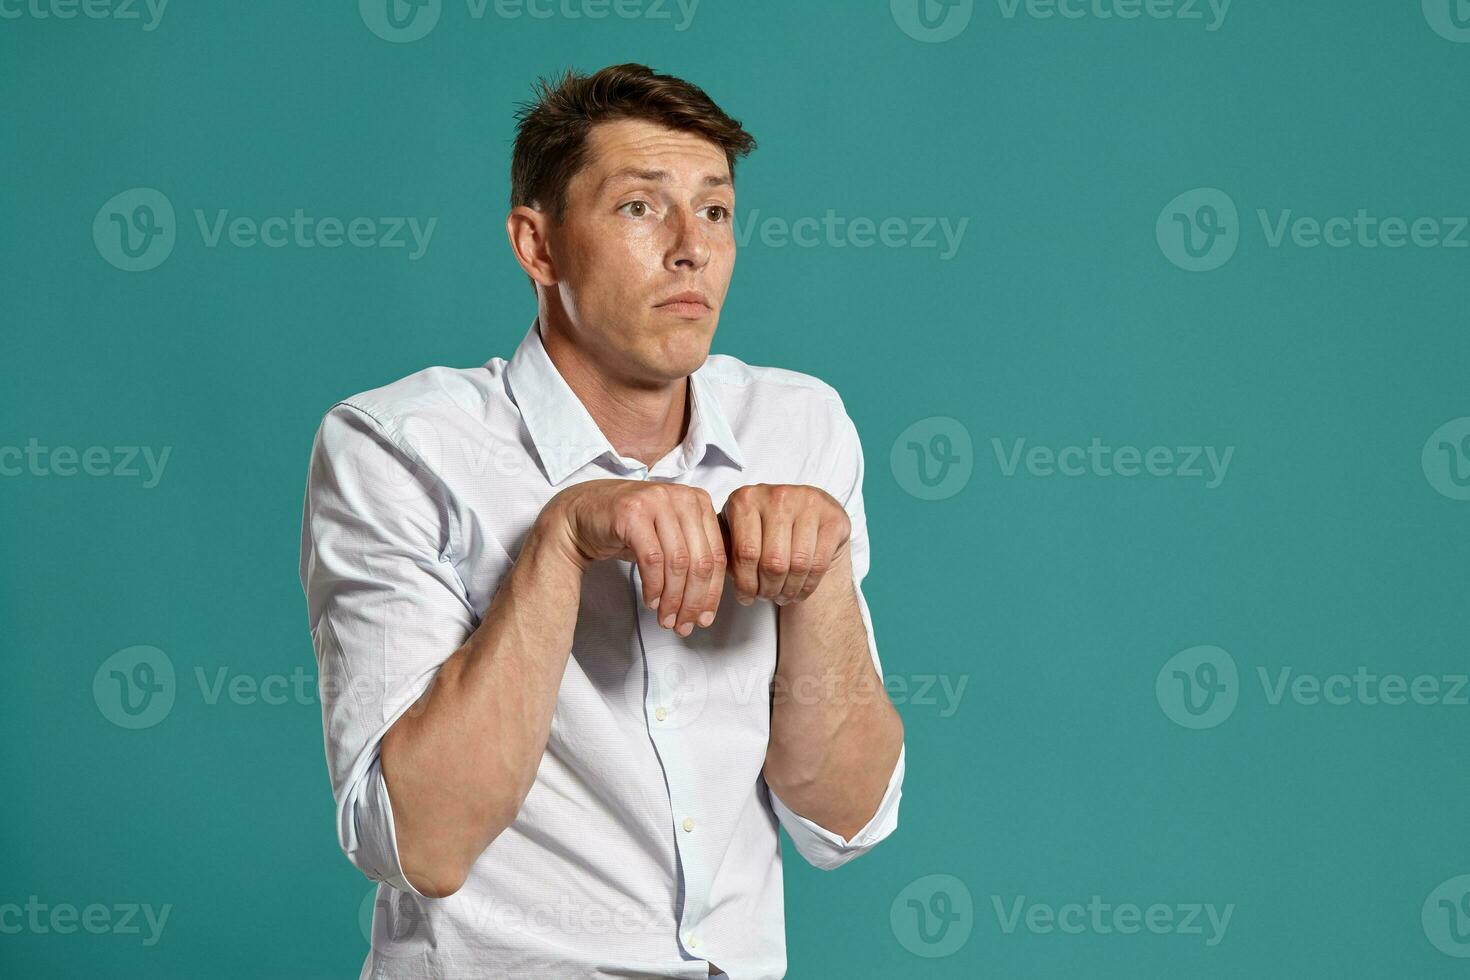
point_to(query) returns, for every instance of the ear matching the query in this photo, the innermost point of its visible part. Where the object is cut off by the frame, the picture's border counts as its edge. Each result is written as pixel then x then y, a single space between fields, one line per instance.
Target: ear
pixel 528 231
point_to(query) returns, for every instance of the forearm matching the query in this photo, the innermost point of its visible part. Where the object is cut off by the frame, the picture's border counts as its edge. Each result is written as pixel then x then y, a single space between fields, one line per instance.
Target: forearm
pixel 835 736
pixel 459 763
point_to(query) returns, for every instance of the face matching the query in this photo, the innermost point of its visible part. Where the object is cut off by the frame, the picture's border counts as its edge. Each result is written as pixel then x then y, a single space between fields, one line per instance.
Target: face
pixel 648 219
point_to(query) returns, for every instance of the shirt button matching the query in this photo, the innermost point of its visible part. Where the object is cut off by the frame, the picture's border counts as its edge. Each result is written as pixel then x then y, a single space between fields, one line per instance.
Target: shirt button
pixel 661 713
pixel 692 941
pixel 688 824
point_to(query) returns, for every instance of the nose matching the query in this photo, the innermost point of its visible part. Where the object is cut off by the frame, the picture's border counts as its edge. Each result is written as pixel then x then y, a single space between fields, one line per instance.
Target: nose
pixel 689 248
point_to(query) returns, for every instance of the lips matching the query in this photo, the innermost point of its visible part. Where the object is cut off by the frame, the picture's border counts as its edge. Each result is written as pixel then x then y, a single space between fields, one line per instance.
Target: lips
pixel 686 300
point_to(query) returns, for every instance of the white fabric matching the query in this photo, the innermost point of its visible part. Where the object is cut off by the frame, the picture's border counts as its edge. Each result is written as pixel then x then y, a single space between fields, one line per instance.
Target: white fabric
pixel 419 494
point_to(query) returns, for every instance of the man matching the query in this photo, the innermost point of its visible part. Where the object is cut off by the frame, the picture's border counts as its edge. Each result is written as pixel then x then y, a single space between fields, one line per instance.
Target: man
pixel 589 622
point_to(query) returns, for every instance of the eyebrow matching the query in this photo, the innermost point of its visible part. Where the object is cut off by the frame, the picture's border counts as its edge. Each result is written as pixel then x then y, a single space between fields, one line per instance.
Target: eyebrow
pixel 639 173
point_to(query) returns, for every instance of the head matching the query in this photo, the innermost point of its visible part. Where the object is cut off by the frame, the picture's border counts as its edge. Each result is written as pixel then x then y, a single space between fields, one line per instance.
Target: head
pixel 622 194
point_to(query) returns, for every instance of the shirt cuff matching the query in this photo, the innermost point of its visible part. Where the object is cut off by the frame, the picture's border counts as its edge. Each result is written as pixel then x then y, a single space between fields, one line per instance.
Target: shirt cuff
pixel 826 850
pixel 368 836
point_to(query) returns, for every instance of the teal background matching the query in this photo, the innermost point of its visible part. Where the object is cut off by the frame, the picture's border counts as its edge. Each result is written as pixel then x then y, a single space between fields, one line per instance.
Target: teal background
pixel 1060 319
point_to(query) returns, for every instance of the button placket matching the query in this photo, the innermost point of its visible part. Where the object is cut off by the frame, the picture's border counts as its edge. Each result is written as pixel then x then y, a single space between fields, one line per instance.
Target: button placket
pixel 657 649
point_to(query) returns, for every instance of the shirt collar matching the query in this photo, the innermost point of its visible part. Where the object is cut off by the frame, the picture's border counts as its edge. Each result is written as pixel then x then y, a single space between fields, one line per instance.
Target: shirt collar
pixel 565 435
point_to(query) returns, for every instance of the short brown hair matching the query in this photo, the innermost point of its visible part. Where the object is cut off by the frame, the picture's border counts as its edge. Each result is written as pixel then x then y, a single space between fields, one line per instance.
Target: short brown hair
pixel 551 132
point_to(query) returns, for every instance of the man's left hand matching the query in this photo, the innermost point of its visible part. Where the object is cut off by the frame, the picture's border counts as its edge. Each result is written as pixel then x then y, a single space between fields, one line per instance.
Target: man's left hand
pixel 781 539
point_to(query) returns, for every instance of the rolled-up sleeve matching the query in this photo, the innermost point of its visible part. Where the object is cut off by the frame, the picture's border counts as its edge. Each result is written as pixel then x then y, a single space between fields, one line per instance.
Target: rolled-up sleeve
pixel 819 846
pixel 822 848
pixel 386 608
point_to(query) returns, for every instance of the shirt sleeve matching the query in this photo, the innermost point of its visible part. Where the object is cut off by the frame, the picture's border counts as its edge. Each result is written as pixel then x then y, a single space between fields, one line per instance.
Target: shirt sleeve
pixel 386 608
pixel 819 846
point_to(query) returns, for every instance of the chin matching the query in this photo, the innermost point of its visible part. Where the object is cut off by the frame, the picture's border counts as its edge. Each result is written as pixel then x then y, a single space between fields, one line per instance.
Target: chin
pixel 687 340
pixel 680 353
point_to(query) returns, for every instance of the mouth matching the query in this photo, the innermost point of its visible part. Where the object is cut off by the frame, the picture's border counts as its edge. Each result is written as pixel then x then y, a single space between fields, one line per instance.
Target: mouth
pixel 690 303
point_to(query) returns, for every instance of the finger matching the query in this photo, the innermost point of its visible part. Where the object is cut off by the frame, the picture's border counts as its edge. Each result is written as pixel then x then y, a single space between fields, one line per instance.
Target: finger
pixel 713 534
pixel 701 563
pixel 744 553
pixel 676 565
pixel 643 541
pixel 724 523
pixel 829 538
pixel 804 534
pixel 775 550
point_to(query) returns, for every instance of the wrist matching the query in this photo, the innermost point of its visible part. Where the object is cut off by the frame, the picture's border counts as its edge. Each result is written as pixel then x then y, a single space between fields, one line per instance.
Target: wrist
pixel 551 538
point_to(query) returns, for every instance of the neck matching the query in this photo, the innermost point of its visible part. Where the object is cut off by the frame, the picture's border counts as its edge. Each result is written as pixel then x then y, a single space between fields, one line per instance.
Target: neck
pixel 641 422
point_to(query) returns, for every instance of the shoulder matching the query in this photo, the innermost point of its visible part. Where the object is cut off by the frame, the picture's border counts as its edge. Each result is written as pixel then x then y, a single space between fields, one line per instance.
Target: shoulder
pixel 772 391
pixel 793 418
pixel 434 397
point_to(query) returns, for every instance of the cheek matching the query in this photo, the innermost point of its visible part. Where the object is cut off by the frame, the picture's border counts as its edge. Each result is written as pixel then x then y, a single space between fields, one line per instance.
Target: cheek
pixel 640 247
pixel 721 265
pixel 610 263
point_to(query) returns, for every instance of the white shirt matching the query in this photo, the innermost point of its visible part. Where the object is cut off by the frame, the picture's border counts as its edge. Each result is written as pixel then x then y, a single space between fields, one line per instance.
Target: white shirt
pixel 648 844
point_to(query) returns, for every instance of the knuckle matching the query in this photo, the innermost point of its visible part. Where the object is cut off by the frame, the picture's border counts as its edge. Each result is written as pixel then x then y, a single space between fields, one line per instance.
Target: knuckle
pixel 629 507
pixel 747 551
pixel 774 565
pixel 679 560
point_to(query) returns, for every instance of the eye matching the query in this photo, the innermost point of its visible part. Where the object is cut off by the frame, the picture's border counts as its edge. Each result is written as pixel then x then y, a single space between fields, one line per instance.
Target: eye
pixel 641 206
pixel 723 213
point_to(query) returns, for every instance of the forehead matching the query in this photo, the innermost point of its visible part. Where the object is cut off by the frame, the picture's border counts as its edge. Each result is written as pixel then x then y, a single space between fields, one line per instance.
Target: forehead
pixel 626 148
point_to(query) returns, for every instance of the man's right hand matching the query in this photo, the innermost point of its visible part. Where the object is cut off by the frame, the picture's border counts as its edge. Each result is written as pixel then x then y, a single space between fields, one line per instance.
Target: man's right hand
pixel 670 531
